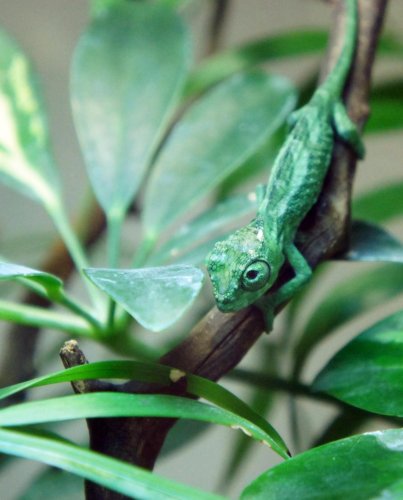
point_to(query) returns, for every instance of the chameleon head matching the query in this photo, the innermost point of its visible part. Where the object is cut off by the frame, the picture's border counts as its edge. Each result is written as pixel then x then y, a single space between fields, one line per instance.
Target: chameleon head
pixel 240 268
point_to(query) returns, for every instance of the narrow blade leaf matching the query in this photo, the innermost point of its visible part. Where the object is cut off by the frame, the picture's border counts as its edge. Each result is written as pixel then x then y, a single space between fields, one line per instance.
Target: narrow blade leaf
pixel 160 374
pixel 111 473
pixel 364 466
pixel 26 163
pixel 105 404
pixel 217 134
pixel 156 296
pixel 128 70
pixel 367 372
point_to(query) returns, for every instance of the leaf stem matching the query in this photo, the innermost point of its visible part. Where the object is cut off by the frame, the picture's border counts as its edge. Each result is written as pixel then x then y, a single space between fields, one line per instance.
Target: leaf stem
pixel 76 251
pixel 144 250
pixel 115 220
pixel 71 304
pixel 42 318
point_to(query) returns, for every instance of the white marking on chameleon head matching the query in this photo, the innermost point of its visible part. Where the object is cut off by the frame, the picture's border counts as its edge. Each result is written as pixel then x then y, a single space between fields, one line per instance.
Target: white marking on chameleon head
pixel 252 196
pixel 259 235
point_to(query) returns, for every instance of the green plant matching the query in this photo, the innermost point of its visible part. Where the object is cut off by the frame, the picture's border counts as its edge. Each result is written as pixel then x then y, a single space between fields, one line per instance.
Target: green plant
pixel 147 123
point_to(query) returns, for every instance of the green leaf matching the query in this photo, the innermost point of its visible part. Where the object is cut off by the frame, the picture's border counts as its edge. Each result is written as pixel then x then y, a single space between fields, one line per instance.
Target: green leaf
pixel 106 404
pixel 155 296
pixel 51 284
pixel 128 71
pixel 261 161
pixel 26 163
pixel 380 204
pixel 160 374
pixel 216 135
pixel 368 372
pixel 371 243
pixel 129 480
pixel 209 225
pixel 360 467
pixel 346 301
pixel 262 399
pixel 225 63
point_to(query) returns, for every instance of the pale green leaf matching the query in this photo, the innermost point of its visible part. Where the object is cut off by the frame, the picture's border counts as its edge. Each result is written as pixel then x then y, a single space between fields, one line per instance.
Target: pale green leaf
pixel 51 285
pixel 216 136
pixel 128 70
pixel 26 163
pixel 213 222
pixel 126 479
pixel 156 296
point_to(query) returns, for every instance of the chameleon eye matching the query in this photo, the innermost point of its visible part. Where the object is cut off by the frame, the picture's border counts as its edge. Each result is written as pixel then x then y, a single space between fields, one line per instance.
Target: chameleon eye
pixel 256 275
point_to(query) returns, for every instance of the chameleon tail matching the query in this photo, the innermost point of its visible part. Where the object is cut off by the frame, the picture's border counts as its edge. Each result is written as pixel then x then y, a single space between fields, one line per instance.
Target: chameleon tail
pixel 335 82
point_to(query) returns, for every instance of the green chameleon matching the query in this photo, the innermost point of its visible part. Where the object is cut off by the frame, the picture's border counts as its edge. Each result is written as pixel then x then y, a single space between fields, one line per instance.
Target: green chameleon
pixel 244 267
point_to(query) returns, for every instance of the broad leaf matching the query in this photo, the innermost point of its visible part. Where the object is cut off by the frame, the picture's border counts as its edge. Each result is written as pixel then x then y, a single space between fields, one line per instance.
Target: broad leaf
pixel 368 372
pixel 128 70
pixel 51 284
pixel 360 467
pixel 210 223
pixel 156 296
pixel 380 204
pixel 26 163
pixel 371 243
pixel 216 135
pixel 160 374
pixel 346 301
pixel 116 475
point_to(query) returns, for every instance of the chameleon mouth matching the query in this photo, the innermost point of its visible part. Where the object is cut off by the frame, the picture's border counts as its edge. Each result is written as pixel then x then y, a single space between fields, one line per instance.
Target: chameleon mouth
pixel 225 304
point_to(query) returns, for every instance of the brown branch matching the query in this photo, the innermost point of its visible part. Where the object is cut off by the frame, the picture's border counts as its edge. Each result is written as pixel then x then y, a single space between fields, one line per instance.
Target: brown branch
pixel 219 342
pixel 218 15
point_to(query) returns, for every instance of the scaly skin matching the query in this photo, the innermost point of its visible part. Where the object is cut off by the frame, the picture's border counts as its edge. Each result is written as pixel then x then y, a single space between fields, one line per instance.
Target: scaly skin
pixel 245 266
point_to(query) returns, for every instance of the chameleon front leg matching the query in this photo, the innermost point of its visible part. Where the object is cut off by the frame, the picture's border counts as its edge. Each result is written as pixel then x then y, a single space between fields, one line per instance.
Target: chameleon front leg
pixel 303 272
